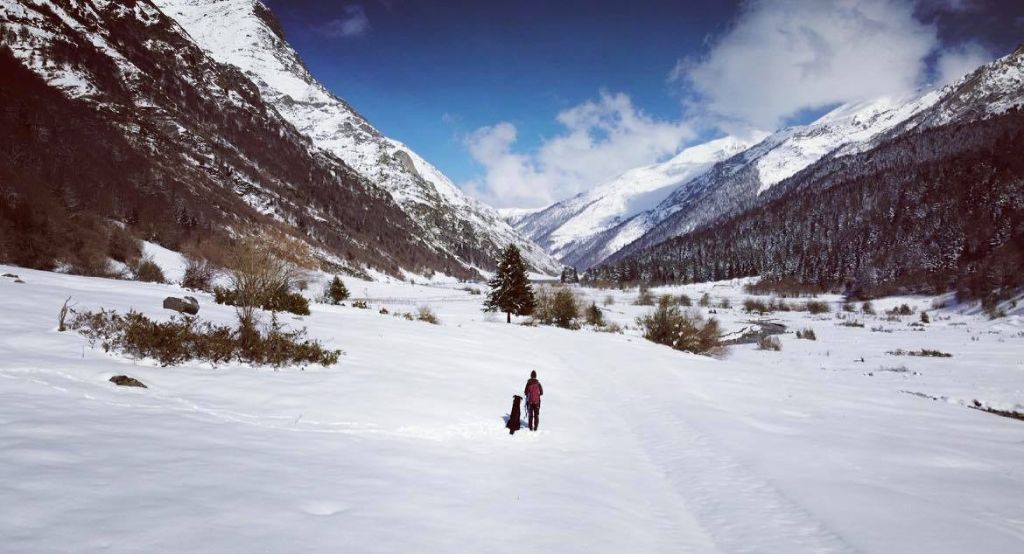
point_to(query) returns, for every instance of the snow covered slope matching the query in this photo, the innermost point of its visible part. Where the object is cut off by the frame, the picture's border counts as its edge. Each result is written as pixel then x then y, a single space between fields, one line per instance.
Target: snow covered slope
pixel 740 182
pixel 245 34
pixel 574 230
pixel 829 445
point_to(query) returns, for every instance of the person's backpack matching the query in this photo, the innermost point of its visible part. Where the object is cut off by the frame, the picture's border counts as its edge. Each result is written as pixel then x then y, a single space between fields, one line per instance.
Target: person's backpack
pixel 533 392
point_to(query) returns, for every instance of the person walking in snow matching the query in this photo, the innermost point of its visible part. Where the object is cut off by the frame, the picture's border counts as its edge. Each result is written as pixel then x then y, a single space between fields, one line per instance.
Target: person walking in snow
pixel 533 392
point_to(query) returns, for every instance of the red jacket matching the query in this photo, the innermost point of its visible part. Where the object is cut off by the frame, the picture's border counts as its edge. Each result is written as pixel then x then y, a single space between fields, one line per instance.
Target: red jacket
pixel 533 391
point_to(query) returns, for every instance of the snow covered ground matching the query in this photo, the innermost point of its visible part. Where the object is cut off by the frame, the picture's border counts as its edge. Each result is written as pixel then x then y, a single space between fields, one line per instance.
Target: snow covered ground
pixel 402 446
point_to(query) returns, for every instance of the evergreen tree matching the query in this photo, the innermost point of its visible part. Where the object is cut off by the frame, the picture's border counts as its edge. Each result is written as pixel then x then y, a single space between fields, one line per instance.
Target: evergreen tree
pixel 510 289
pixel 336 291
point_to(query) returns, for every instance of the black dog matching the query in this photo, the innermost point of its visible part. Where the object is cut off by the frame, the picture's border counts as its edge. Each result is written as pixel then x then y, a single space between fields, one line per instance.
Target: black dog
pixel 513 418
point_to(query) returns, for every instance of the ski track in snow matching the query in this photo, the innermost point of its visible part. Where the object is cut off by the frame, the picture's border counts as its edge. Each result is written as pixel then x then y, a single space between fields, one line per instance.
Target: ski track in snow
pixel 401 446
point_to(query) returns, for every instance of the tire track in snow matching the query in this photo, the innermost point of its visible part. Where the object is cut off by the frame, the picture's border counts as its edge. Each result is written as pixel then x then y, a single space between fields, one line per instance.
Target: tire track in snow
pixel 742 511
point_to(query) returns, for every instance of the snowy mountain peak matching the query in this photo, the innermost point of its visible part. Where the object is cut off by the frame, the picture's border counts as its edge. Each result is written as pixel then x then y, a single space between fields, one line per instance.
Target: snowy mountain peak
pixel 579 230
pixel 245 34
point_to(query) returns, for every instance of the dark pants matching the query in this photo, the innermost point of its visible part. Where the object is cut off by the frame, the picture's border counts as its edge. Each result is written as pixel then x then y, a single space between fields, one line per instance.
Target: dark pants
pixel 534 415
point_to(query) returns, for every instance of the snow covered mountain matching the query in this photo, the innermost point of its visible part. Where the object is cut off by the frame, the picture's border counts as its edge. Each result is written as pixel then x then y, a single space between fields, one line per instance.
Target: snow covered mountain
pixel 742 182
pixel 245 34
pixel 114 118
pixel 590 226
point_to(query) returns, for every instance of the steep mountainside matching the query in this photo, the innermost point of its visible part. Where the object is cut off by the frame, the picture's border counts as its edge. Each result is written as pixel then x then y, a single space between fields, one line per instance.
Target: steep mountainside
pixel 588 227
pixel 245 34
pixel 931 203
pixel 111 113
pixel 742 182
pixel 926 211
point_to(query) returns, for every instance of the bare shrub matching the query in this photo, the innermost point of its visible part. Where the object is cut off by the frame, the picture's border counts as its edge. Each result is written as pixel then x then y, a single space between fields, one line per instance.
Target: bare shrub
pixel 756 305
pixel 769 342
pixel 361 304
pixel 146 270
pixel 62 315
pixel 705 300
pixel 816 307
pixel 199 274
pixel 424 313
pixel 261 280
pixel 644 296
pixel 683 331
pixel 609 300
pixel 122 246
pixel 867 308
pixel 685 301
pixel 806 334
pixel 556 306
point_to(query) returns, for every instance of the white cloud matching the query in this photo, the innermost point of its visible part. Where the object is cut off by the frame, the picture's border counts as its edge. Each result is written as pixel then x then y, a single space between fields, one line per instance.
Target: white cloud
pixel 784 56
pixel 601 139
pixel 353 24
pixel 954 63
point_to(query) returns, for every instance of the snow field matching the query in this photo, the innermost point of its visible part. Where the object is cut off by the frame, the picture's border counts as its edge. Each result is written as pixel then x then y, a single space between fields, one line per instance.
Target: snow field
pixel 402 445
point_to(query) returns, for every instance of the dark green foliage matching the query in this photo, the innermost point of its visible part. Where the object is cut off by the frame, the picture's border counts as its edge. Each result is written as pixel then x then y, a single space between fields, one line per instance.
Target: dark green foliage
pixel 564 310
pixel 570 276
pixel 510 289
pixel 277 301
pixel 336 291
pixel 689 332
pixel 185 338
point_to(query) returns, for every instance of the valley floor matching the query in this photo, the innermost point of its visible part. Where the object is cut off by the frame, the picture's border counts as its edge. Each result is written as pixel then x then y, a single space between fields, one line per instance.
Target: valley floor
pixel 825 446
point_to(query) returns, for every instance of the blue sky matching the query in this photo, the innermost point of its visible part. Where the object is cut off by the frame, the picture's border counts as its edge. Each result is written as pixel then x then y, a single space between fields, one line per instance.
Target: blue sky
pixel 496 94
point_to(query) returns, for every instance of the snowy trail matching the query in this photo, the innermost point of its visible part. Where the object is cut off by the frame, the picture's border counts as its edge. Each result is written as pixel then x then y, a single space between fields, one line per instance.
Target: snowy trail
pixel 401 446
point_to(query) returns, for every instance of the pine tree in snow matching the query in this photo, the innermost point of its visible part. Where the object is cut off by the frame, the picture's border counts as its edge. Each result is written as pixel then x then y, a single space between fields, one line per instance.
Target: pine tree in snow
pixel 510 289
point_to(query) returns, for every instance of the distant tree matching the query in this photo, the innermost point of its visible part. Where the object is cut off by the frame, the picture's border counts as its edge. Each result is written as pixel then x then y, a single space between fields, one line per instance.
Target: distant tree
pixel 510 289
pixel 569 275
pixel 336 291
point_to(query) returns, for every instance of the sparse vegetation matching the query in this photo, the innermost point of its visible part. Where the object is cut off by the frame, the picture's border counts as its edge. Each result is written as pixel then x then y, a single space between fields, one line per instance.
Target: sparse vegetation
pixel 902 309
pixel 806 334
pixel 923 353
pixel 925 318
pixel 705 300
pixel 867 308
pixel 852 323
pixel 594 316
pixel 683 331
pixel 261 280
pixel 685 301
pixel 185 338
pixel 609 300
pixel 725 304
pixel 361 304
pixel 557 306
pixel 147 271
pixel 644 296
pixel 816 307
pixel 770 342
pixel 424 313
pixel 199 274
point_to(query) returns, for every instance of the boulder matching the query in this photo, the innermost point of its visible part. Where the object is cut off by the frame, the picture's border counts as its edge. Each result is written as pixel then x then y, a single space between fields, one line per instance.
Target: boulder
pixel 10 275
pixel 126 381
pixel 188 305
